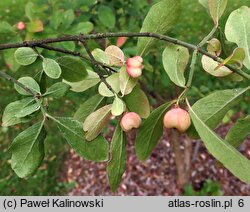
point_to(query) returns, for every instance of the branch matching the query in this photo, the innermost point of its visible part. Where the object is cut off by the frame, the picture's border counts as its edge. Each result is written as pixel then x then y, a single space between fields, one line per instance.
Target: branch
pixel 73 53
pixel 96 65
pixel 79 38
pixel 11 79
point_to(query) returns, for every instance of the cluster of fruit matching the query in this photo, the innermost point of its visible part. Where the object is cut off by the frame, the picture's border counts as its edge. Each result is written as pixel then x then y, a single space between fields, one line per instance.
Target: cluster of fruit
pixel 176 118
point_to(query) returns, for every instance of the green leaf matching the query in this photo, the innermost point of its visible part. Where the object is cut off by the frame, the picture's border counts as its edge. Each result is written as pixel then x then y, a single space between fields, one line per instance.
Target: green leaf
pixel 57 90
pixel 236 58
pixel 214 68
pixel 150 132
pixel 238 132
pixel 127 83
pixel 67 18
pixel 117 164
pixel 13 108
pixel 237 30
pixel 51 68
pixel 96 150
pixel 233 77
pixel 30 83
pixel 212 108
pixel 106 16
pixel 25 56
pixel 10 60
pixel 204 3
pixel 235 162
pixel 214 46
pixel 55 19
pixel 29 11
pixel 175 59
pixel 83 27
pixel 160 19
pixel 81 86
pixel 27 110
pixel 28 150
pixel 113 81
pixel 96 121
pixel 6 28
pixel 35 26
pixel 118 107
pixel 216 9
pixel 137 102
pixel 73 69
pixel 100 56
pixel 88 107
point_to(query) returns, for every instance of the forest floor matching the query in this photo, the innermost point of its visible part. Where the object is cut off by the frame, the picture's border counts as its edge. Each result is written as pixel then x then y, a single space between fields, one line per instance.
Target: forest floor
pixel 157 175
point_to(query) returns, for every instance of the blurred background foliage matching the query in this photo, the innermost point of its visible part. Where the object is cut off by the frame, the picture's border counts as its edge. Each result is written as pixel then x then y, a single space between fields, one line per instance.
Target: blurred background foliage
pixel 52 18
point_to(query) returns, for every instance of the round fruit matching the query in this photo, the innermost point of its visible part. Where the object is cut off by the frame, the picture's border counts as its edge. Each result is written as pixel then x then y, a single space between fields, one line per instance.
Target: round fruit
pixel 177 118
pixel 129 121
pixel 133 72
pixel 134 66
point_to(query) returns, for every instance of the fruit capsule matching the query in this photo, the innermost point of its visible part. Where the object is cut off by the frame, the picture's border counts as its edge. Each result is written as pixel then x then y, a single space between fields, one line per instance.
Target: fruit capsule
pixel 177 118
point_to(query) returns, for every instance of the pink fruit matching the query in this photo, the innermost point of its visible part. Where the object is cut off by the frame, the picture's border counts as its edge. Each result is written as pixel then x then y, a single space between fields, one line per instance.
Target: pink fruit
pixel 177 118
pixel 134 66
pixel 120 41
pixel 20 25
pixel 133 62
pixel 139 58
pixel 129 121
pixel 133 72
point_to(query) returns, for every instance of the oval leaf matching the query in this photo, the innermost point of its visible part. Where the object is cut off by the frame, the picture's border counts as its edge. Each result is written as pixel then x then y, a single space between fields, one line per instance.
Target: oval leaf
pixel 106 16
pixel 236 58
pixel 100 56
pixel 150 132
pixel 175 59
pixel 73 69
pixel 127 83
pixel 117 164
pixel 88 107
pixel 161 18
pixel 25 56
pixel 137 102
pixel 214 46
pixel 51 68
pixel 97 150
pixel 13 108
pixel 211 67
pixel 118 107
pixel 30 83
pixel 96 121
pixel 29 109
pixel 237 30
pixel 216 9
pixel 91 80
pixel 221 150
pixel 115 56
pixel 238 132
pixel 113 81
pixel 28 150
pixel 212 108
pixel 57 90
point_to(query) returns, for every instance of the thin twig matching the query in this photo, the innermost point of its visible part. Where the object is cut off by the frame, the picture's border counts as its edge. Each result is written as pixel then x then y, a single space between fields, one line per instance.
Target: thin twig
pixel 96 66
pixel 73 53
pixel 195 53
pixel 11 79
pixel 122 34
pixel 35 95
pixel 192 68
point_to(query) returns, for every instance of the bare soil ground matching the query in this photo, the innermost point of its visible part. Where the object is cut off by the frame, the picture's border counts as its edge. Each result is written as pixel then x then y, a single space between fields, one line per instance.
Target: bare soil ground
pixel 156 176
